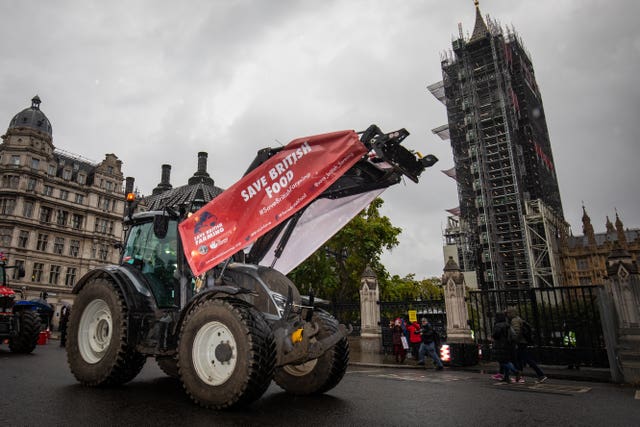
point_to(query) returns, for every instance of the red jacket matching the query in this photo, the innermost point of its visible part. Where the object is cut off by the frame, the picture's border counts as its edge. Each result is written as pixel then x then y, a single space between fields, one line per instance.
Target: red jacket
pixel 413 336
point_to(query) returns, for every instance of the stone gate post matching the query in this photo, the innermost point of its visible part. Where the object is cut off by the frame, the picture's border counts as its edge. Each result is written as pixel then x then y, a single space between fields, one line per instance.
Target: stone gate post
pixel 624 287
pixel 371 333
pixel 461 343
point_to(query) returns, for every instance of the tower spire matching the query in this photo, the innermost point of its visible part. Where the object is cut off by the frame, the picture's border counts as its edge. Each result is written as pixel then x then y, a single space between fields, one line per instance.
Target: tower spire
pixel 480 28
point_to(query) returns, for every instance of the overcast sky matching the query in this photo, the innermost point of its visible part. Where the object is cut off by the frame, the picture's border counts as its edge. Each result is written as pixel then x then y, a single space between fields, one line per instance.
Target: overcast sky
pixel 156 82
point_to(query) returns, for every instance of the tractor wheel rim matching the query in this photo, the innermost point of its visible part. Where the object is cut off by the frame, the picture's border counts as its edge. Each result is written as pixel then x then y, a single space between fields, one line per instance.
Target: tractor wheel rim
pixel 95 331
pixel 302 369
pixel 214 353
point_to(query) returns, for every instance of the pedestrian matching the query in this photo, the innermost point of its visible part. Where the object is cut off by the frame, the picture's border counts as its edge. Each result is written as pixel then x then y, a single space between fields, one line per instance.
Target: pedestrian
pixel 414 338
pixel 65 312
pixel 569 342
pixel 396 337
pixel 429 345
pixel 523 338
pixel 504 347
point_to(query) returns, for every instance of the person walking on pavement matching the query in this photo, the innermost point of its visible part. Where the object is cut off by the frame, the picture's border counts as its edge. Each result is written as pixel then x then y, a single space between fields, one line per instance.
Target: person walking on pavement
pixel 396 336
pixel 64 321
pixel 523 339
pixel 430 344
pixel 414 339
pixel 504 346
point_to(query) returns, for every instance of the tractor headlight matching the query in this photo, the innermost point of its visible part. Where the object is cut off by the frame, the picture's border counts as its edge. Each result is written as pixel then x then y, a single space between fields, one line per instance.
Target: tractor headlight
pixel 280 301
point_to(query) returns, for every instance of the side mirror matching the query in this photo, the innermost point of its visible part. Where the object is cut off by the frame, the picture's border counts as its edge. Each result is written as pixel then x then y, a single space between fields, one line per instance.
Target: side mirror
pixel 160 226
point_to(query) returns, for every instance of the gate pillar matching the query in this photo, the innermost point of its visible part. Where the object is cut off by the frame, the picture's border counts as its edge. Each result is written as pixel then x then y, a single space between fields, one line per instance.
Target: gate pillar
pixel 624 287
pixel 371 333
pixel 462 345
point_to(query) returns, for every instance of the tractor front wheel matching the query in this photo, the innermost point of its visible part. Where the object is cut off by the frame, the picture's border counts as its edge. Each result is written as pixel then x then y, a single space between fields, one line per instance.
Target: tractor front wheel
pixel 226 353
pixel 27 339
pixel 97 349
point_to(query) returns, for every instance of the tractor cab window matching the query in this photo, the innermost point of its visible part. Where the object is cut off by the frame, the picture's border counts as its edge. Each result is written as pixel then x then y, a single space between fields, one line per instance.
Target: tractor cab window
pixel 156 257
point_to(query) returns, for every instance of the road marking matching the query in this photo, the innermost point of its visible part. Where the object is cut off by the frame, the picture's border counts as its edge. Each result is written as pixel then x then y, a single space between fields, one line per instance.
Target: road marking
pixel 434 378
pixel 545 388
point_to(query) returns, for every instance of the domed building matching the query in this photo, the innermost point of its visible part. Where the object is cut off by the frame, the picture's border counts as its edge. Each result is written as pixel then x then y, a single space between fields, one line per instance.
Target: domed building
pixel 60 213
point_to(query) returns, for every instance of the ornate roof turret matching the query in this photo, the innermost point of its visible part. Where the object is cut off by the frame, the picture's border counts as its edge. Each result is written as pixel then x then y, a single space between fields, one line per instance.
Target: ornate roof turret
pixel 480 29
pixel 622 239
pixel 32 118
pixel 587 228
pixel 609 225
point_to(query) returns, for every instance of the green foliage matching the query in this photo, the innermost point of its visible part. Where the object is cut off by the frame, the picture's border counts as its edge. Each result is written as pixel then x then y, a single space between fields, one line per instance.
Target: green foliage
pixel 336 277
pixel 408 288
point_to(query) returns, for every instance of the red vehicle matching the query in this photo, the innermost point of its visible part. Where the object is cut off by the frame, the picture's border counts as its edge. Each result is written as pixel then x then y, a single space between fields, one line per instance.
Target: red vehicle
pixel 19 323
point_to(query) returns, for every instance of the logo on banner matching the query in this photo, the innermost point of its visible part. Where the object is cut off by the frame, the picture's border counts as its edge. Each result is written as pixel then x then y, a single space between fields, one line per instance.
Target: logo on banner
pixel 204 217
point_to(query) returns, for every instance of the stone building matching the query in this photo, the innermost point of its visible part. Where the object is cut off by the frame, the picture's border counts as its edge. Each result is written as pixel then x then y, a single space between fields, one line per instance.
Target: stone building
pixel 60 214
pixel 584 258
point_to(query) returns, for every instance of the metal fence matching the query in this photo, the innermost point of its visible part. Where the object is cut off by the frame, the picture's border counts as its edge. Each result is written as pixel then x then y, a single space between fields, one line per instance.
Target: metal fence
pixel 434 310
pixel 565 321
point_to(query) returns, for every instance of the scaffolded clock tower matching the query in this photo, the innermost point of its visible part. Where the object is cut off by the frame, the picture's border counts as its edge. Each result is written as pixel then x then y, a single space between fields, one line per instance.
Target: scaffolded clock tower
pixel 510 215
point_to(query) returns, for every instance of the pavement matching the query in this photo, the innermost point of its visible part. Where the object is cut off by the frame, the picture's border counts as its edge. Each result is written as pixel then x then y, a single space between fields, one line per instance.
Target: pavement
pixel 380 360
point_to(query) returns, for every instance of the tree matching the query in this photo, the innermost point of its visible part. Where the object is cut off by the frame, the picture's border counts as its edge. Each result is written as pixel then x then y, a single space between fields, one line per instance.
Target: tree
pixel 334 270
pixel 408 288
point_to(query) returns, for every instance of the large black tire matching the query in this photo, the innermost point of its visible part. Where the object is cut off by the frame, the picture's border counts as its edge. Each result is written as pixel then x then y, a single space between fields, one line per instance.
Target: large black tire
pixel 97 349
pixel 226 353
pixel 27 339
pixel 318 375
pixel 169 365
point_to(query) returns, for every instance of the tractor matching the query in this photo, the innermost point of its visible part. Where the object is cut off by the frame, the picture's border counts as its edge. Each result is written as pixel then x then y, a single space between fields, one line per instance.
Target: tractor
pixel 201 286
pixel 19 322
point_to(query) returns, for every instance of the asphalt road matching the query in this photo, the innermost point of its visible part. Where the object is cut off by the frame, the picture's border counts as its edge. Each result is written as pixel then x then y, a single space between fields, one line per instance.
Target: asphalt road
pixel 38 390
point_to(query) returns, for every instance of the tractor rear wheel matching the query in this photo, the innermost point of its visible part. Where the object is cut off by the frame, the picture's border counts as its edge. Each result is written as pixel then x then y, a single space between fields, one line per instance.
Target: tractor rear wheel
pixel 318 375
pixel 168 365
pixel 26 341
pixel 97 349
pixel 226 353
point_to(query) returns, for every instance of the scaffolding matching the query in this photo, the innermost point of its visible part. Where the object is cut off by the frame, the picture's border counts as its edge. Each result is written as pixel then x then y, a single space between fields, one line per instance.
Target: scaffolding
pixel 502 158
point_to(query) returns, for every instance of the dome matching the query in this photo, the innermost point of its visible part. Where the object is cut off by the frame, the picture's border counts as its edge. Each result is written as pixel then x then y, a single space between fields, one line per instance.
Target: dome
pixel 32 118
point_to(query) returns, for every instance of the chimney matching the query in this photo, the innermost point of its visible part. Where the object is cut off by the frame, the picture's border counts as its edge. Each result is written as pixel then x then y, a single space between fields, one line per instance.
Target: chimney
pixel 164 185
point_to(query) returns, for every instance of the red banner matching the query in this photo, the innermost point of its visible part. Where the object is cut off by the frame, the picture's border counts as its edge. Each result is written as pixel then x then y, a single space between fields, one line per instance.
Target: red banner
pixel 267 196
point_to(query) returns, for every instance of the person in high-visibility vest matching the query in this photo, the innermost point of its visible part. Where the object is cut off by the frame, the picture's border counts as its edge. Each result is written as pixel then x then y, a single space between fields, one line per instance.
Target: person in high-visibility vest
pixel 569 341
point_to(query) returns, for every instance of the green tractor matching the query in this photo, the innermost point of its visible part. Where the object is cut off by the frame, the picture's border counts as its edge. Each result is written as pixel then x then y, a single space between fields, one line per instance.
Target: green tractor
pixel 203 289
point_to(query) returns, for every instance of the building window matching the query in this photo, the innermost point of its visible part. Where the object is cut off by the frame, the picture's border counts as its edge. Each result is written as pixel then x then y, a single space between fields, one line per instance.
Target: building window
pixel 45 214
pixel 74 248
pixel 64 194
pixel 79 199
pixel 62 218
pixel 583 264
pixel 27 209
pixel 16 271
pixel 6 234
pixel 70 278
pixel 81 178
pixel 43 240
pixel 103 252
pixel 51 170
pixel 48 190
pixel 110 170
pixel 11 181
pixel 7 206
pixel 15 160
pixel 109 185
pixel 76 221
pixel 38 268
pixel 35 163
pixel 58 245
pixel 66 174
pixel 23 239
pixel 31 184
pixel 54 274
